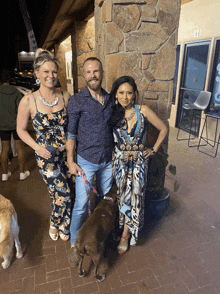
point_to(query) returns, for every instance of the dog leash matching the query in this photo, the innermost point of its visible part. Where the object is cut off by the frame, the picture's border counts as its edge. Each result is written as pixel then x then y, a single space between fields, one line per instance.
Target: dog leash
pixel 89 188
pixel 108 198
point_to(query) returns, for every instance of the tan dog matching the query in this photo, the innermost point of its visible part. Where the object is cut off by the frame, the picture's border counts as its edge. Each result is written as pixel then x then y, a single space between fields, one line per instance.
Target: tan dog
pixel 9 231
pixel 93 234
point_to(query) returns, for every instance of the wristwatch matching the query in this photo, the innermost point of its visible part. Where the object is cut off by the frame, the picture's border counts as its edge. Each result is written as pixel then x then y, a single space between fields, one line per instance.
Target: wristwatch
pixel 153 151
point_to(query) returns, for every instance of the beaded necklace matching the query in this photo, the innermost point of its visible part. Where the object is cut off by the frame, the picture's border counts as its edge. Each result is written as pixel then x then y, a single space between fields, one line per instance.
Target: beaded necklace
pixel 131 115
pixel 56 99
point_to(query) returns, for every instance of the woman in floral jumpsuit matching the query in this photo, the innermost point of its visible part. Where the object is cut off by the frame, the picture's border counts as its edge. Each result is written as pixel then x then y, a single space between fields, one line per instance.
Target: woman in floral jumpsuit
pixel 47 108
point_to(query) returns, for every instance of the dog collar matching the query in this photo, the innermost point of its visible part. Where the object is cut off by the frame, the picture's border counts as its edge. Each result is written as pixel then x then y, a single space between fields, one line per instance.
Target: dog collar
pixel 108 198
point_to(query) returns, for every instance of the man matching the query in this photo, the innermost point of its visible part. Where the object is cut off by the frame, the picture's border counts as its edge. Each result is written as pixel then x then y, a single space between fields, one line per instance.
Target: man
pixel 9 100
pixel 88 113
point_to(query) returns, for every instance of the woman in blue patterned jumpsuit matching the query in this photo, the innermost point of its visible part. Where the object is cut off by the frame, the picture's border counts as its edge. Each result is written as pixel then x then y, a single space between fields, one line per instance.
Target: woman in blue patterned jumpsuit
pixel 130 157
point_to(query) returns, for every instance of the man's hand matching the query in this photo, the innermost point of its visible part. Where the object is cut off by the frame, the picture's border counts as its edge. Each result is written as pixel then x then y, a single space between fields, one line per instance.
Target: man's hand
pixel 74 168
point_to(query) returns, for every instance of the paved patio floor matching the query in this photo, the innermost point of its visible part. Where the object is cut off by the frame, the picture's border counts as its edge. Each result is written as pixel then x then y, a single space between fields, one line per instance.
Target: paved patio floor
pixel 180 254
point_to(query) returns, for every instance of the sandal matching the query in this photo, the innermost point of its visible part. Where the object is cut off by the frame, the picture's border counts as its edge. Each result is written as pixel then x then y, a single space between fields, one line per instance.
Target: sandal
pixel 63 236
pixel 53 236
pixel 122 249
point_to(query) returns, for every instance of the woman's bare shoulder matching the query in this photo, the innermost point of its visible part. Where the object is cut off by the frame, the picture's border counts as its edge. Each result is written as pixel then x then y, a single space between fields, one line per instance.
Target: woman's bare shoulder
pixel 66 95
pixel 27 99
pixel 143 108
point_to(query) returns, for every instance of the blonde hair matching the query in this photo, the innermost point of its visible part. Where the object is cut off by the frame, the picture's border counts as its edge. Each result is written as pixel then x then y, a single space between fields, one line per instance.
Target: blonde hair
pixel 42 56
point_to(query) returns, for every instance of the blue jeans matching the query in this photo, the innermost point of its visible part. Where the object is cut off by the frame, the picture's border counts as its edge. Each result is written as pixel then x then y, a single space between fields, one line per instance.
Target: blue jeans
pixel 103 172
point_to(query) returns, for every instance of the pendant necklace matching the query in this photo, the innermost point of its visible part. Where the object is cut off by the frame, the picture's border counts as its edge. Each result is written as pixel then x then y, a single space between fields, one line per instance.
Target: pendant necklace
pixel 131 115
pixel 56 99
pixel 102 101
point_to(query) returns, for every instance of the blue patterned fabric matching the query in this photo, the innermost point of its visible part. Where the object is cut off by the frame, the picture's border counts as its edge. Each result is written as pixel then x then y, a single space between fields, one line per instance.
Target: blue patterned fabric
pixel 130 173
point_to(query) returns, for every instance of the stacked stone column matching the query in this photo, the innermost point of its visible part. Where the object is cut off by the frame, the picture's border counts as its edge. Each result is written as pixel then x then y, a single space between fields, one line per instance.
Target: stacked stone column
pixel 139 38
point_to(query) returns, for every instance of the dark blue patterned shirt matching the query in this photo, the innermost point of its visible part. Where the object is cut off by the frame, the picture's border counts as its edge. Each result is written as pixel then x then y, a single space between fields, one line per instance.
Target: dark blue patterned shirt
pixel 88 124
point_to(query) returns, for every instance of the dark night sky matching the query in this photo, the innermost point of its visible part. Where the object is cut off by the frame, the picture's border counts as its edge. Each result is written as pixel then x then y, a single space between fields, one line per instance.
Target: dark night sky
pixel 13 32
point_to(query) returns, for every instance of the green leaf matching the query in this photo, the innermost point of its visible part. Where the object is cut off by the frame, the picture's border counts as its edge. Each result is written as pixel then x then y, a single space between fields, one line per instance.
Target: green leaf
pixel 176 186
pixel 172 169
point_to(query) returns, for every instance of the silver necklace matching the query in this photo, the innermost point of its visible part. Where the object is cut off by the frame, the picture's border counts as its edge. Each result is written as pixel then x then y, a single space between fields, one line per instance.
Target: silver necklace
pixel 56 99
pixel 131 115
pixel 100 100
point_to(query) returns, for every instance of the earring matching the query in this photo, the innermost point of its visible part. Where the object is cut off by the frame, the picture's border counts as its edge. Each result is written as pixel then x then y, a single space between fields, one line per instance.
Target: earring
pixel 38 81
pixel 116 101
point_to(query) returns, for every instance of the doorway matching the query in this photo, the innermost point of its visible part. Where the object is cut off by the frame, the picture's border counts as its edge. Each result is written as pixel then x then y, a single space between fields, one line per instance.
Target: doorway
pixel 193 81
pixel 68 58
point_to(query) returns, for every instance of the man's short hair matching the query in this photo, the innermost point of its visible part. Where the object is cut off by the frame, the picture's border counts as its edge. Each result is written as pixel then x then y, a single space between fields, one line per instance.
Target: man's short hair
pixel 93 59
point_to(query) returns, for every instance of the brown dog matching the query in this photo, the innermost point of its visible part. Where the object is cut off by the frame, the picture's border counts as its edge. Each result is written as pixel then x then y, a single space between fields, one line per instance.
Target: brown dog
pixel 93 234
pixel 9 231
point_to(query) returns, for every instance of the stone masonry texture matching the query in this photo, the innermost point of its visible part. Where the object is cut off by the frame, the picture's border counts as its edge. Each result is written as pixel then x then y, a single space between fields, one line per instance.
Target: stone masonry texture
pixel 139 38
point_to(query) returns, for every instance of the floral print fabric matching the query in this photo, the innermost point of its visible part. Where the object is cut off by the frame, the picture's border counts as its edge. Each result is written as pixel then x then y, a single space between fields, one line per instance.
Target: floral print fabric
pixel 49 130
pixel 130 173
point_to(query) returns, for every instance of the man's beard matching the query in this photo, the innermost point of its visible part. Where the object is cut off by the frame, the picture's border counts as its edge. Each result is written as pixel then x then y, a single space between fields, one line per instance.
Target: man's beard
pixel 94 87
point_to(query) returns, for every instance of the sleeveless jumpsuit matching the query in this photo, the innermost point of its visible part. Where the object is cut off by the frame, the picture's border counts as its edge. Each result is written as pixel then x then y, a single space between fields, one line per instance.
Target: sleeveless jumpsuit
pixel 50 131
pixel 130 172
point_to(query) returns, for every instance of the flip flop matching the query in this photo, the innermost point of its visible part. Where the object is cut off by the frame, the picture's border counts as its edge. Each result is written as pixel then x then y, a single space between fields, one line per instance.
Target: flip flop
pixel 63 236
pixel 54 236
pixel 123 249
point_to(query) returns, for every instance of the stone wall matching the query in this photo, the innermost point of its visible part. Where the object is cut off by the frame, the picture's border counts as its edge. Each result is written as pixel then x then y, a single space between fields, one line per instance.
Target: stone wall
pixel 85 46
pixel 139 38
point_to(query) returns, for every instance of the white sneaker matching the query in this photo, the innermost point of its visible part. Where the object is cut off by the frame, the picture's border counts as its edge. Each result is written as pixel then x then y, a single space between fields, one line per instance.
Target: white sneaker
pixel 6 176
pixel 24 175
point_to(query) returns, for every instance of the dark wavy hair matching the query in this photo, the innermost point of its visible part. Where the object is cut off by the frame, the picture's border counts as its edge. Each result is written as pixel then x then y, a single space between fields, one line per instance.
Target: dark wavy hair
pixel 118 119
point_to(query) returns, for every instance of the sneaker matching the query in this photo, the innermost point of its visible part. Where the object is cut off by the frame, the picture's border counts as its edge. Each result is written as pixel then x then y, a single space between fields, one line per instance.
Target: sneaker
pixel 24 175
pixel 6 176
pixel 73 259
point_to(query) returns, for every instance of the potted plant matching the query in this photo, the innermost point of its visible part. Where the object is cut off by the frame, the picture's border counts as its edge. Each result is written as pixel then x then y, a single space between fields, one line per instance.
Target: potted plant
pixel 157 196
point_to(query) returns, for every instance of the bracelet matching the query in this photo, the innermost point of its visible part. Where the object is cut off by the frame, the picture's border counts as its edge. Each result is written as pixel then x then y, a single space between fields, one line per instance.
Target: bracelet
pixel 153 151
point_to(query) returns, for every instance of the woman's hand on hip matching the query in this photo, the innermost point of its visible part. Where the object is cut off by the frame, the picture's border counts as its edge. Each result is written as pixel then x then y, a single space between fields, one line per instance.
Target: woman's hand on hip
pixel 148 152
pixel 43 152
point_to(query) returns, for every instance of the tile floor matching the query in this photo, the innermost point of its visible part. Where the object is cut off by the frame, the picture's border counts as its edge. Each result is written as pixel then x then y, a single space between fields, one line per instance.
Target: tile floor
pixel 180 254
